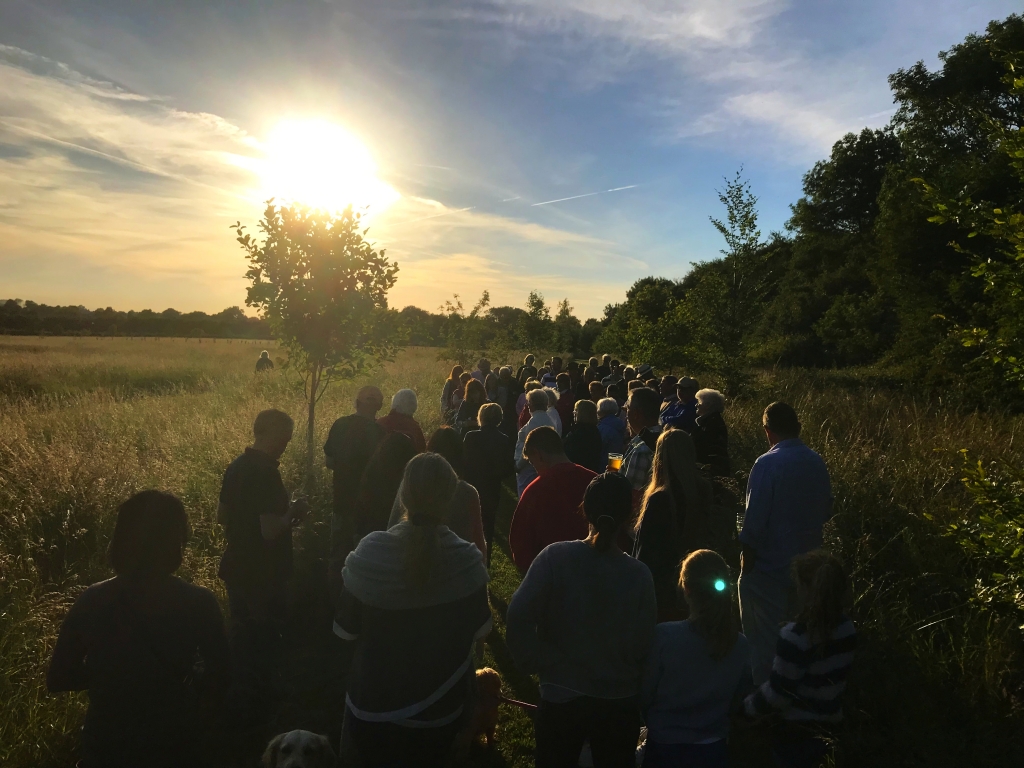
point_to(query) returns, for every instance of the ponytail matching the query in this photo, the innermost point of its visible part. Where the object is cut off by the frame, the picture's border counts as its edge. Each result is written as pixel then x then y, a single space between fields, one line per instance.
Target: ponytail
pixel 705 578
pixel 428 485
pixel 607 505
pixel 824 585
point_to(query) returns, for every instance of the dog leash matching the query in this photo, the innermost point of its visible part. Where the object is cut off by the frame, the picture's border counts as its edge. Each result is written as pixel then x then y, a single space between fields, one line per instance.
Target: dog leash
pixel 521 704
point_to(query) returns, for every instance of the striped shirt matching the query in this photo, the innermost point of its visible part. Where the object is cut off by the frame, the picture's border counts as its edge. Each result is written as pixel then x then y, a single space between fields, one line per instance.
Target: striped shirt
pixel 807 681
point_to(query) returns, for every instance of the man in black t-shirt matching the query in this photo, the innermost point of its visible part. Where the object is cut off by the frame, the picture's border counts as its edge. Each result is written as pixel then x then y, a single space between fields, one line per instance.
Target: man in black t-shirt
pixel 257 518
pixel 350 444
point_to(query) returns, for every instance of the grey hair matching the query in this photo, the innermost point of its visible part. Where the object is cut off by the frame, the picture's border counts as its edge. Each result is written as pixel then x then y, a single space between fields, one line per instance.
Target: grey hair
pixel 607 406
pixel 489 414
pixel 537 400
pixel 404 402
pixel 503 370
pixel 552 396
pixel 713 399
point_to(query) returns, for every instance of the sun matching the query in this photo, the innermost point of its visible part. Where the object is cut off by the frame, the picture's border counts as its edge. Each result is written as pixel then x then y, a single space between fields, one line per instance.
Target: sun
pixel 320 164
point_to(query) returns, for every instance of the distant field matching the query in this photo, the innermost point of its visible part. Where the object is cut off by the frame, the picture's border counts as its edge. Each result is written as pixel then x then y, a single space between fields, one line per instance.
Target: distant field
pixel 86 422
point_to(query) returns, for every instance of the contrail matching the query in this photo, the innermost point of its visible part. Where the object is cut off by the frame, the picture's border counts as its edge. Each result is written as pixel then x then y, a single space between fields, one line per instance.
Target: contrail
pixel 510 199
pixel 588 194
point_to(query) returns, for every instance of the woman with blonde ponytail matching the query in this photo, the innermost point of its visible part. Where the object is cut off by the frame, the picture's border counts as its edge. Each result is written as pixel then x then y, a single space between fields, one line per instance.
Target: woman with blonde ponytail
pixel 415 604
pixel 673 518
pixel 583 620
pixel 696 671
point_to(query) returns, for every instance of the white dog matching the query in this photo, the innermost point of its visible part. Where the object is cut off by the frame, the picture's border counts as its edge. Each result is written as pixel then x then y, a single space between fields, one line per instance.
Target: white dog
pixel 299 749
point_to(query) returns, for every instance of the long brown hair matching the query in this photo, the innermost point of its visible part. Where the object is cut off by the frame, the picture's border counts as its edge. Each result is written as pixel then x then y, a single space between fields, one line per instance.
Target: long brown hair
pixel 456 373
pixel 705 578
pixel 674 470
pixel 823 586
pixel 428 484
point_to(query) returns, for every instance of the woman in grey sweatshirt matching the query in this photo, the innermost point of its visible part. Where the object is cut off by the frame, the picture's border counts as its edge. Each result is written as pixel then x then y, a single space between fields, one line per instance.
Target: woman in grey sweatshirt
pixel 583 619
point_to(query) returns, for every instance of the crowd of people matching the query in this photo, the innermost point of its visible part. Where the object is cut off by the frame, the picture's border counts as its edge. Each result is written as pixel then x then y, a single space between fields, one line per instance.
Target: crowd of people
pixel 628 612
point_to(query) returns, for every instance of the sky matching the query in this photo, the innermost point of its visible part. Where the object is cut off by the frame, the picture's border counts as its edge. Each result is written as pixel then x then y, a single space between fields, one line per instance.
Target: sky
pixel 134 133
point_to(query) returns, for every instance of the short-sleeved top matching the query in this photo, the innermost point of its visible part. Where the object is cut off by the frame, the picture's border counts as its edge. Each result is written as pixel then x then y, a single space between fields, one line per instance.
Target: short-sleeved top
pixel 789 500
pixel 350 444
pixel 133 645
pixel 252 487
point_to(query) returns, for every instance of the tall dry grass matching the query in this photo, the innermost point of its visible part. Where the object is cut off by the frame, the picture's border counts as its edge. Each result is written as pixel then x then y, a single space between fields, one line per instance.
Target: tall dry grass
pixel 937 680
pixel 70 454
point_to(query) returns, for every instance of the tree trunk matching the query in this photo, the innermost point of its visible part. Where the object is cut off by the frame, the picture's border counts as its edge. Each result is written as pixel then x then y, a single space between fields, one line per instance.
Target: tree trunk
pixel 314 385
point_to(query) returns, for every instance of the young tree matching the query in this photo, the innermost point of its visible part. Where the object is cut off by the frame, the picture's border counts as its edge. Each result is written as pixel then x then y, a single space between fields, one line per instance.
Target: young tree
pixel 323 288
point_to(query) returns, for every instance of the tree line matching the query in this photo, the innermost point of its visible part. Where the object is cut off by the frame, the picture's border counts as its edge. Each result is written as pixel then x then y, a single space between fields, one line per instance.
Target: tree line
pixel 904 253
pixel 18 317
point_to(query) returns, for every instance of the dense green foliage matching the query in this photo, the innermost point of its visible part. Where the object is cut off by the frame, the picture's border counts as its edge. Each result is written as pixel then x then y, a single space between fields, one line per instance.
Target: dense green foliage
pixel 867 273
pixel 26 318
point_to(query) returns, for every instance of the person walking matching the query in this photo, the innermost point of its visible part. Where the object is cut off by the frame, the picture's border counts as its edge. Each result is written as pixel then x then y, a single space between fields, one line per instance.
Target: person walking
pixel 400 419
pixel 583 620
pixel 451 384
pixel 466 418
pixel 537 406
pixel 258 518
pixel 583 444
pixel 673 518
pixel 350 444
pixel 414 603
pixel 711 435
pixel 681 413
pixel 133 642
pixel 696 671
pixel 527 370
pixel 789 500
pixel 611 426
pixel 812 661
pixel 642 410
pixel 483 370
pixel 488 461
pixel 548 510
pixel 264 363
pixel 463 516
pixel 379 484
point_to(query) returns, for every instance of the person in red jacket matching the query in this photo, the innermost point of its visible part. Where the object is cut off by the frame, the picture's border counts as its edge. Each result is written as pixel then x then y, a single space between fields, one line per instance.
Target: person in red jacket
pixel 549 509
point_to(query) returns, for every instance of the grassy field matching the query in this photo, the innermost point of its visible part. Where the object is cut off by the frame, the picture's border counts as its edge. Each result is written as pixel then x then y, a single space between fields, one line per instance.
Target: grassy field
pixel 86 422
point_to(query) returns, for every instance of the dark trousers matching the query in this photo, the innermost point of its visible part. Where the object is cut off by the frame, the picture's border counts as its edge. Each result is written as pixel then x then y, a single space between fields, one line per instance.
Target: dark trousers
pixel 257 647
pixel 488 516
pixel 714 755
pixel 386 745
pixel 611 725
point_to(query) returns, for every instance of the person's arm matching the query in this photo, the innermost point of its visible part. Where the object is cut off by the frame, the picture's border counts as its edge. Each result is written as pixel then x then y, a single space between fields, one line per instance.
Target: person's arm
pixel 213 647
pixel 67 665
pixel 788 670
pixel 476 523
pixel 397 509
pixel 330 447
pixel 348 619
pixel 652 675
pixel 757 514
pixel 530 653
pixel 520 534
pixel 656 542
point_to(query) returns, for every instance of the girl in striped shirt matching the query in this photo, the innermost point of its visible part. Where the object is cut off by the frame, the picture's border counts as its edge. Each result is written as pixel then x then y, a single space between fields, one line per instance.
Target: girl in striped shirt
pixel 812 661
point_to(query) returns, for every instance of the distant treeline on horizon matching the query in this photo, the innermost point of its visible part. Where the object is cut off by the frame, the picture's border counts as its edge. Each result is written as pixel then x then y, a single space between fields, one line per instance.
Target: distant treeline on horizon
pixel 27 318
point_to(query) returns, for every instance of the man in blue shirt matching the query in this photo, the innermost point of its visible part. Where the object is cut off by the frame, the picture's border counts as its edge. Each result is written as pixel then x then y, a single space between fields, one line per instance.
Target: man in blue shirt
pixel 789 500
pixel 682 412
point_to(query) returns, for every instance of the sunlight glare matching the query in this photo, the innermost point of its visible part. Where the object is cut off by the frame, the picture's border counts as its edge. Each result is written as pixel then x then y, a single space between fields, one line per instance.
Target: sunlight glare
pixel 320 164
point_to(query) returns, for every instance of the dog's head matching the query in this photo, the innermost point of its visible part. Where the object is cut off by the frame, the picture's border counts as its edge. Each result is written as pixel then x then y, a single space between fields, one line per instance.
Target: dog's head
pixel 488 682
pixel 299 749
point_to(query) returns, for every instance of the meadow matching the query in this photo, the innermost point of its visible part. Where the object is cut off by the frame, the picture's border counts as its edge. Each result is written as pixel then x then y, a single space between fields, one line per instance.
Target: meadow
pixel 86 422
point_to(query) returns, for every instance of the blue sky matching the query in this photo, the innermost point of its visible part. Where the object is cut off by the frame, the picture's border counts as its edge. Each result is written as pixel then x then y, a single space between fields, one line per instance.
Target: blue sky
pixel 130 131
